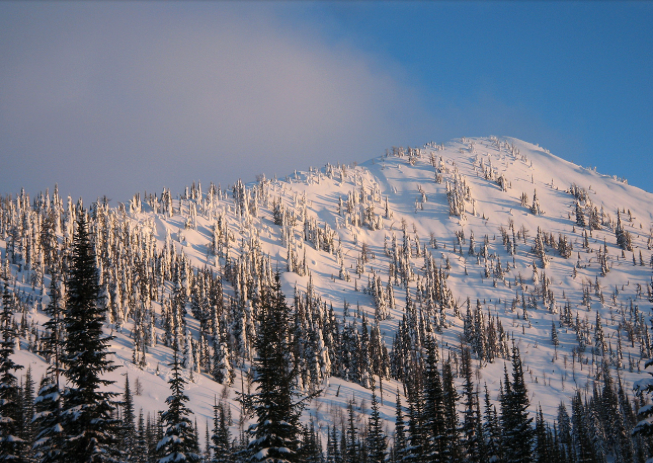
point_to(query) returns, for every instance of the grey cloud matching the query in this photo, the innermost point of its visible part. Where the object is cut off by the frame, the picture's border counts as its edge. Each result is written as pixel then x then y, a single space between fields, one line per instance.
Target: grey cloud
pixel 113 98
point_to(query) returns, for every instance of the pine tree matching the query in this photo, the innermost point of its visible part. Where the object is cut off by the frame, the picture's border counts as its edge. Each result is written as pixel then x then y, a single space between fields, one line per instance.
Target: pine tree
pixel 89 427
pixel 542 449
pixel 399 450
pixel 128 428
pixel 644 427
pixel 470 418
pixel 581 440
pixel 554 336
pixel 517 430
pixel 311 448
pixel 491 430
pixel 350 449
pixel 434 407
pixel 376 439
pixel 580 216
pixel 453 451
pixel 47 421
pixel 140 443
pixel 28 412
pixel 275 403
pixel 624 240
pixel 179 443
pixel 220 436
pixel 12 447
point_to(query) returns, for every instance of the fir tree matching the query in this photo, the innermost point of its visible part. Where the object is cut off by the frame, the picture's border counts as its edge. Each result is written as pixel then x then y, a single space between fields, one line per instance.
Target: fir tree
pixel 12 447
pixel 399 450
pixel 434 407
pixel 128 428
pixel 275 403
pixel 220 436
pixel 376 439
pixel 470 418
pixel 517 430
pixel 88 424
pixel 140 442
pixel 28 412
pixel 453 451
pixel 179 443
pixel 47 422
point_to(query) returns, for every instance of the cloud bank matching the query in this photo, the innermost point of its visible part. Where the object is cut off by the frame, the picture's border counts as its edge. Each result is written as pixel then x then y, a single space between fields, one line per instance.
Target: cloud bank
pixel 114 98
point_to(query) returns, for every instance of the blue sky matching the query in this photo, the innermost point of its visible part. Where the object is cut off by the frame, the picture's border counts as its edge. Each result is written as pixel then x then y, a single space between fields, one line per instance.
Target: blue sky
pixel 118 97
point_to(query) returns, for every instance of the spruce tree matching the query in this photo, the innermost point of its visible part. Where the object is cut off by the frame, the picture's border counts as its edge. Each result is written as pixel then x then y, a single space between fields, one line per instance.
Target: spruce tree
pixel 220 436
pixel 28 411
pixel 434 407
pixel 47 422
pixel 470 418
pixel 453 451
pixel 179 443
pixel 128 428
pixel 399 450
pixel 517 429
pixel 376 439
pixel 12 447
pixel 275 403
pixel 88 424
pixel 140 442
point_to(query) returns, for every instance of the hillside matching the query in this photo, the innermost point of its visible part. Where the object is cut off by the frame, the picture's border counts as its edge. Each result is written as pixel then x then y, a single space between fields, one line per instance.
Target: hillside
pixel 451 242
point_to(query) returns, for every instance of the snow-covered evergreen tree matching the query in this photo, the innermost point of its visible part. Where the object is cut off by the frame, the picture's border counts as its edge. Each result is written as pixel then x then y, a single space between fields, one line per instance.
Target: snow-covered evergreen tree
pixel 12 446
pixel 179 443
pixel 89 427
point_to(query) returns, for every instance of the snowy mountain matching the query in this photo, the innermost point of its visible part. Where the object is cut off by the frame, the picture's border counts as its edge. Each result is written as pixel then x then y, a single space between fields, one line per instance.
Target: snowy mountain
pixel 476 243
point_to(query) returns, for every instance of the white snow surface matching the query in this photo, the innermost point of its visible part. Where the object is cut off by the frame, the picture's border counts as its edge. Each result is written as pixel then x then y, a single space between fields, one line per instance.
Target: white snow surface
pixel 534 168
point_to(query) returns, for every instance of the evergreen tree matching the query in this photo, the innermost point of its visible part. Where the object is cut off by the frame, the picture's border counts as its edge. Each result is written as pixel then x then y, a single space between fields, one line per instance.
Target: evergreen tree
pixel 140 443
pixel 580 215
pixel 644 427
pixel 128 428
pixel 399 450
pixel 470 418
pixel 491 431
pixel 453 451
pixel 350 449
pixel 179 443
pixel 28 412
pixel 434 407
pixel 89 427
pixel 311 448
pixel 47 422
pixel 53 339
pixel 220 436
pixel 517 430
pixel 581 440
pixel 542 448
pixel 12 446
pixel 376 439
pixel 275 403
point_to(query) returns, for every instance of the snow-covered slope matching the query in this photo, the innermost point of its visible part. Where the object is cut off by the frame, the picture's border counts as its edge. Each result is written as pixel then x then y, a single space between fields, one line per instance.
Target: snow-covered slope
pixel 440 195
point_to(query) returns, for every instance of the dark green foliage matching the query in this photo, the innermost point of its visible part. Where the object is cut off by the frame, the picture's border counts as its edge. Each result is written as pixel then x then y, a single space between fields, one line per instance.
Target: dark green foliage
pixel 220 435
pixel 88 424
pixel 453 452
pixel 12 446
pixel 434 407
pixel 276 406
pixel 399 450
pixel 376 439
pixel 179 443
pixel 470 417
pixel 128 429
pixel 517 430
pixel 48 422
